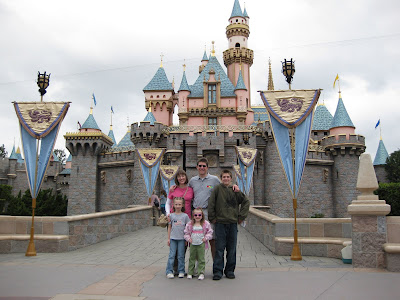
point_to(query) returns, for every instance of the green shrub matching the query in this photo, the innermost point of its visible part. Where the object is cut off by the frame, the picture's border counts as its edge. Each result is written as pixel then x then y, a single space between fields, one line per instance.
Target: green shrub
pixel 317 215
pixel 390 192
pixel 47 204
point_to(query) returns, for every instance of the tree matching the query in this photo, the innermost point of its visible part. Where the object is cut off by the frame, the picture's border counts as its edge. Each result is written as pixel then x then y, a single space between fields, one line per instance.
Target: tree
pixel 60 153
pixel 392 167
pixel 3 152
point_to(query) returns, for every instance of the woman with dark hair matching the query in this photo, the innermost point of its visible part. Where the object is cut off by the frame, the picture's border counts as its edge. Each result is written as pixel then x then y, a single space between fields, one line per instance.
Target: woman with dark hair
pixel 182 190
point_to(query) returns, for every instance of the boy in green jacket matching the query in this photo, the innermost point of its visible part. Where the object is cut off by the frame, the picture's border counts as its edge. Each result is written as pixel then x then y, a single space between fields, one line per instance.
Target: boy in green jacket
pixel 226 209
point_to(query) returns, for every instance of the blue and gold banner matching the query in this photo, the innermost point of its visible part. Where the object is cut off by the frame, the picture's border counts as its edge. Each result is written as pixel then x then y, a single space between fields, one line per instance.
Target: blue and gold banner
pixel 291 111
pixel 239 179
pixel 168 174
pixel 150 160
pixel 247 158
pixel 39 125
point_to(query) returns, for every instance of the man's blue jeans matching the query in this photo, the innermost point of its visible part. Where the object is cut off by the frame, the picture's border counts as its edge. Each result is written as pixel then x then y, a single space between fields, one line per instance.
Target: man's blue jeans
pixel 176 247
pixel 226 239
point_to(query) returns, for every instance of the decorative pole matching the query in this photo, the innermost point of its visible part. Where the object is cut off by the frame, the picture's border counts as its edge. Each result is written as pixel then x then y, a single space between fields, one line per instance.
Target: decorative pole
pixel 288 69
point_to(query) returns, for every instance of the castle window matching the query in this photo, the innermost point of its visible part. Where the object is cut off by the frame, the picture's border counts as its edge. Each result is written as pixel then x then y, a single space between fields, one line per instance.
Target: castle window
pixel 212 94
pixel 315 133
pixel 237 20
pixel 163 96
pixel 151 96
pixel 237 45
pixel 325 133
pixel 212 121
pixel 158 96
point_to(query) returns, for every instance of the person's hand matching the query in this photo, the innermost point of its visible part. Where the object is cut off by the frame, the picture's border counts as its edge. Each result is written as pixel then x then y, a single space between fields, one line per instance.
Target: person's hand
pixel 240 221
pixel 172 188
pixel 190 241
pixel 168 242
pixel 169 219
pixel 235 188
pixel 213 221
pixel 204 239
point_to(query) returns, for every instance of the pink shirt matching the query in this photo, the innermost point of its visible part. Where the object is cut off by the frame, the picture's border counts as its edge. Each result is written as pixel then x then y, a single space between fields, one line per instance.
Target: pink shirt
pixel 179 192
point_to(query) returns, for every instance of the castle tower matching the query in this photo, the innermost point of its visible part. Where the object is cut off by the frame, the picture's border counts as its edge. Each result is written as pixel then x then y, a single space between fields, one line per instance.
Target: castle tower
pixel 345 148
pixel 239 56
pixel 85 146
pixel 270 80
pixel 241 92
pixel 111 136
pixel 204 61
pixel 158 95
pixel 183 94
pixel 147 133
pixel 321 123
pixel 380 162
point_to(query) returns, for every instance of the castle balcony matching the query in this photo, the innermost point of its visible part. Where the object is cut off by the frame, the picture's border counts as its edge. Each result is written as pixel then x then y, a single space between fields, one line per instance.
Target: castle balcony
pixel 338 144
pixel 238 55
pixel 237 29
pixel 211 128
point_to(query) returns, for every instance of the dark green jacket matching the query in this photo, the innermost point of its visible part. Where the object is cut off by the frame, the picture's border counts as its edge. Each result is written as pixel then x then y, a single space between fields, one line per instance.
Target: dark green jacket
pixel 226 206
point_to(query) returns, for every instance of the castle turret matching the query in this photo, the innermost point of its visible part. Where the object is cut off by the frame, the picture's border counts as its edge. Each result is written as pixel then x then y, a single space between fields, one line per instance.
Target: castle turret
pixel 380 162
pixel 241 92
pixel 239 57
pixel 321 122
pixel 85 146
pixel 183 93
pixel 111 136
pixel 159 94
pixel 204 61
pixel 148 132
pixel 270 80
pixel 345 148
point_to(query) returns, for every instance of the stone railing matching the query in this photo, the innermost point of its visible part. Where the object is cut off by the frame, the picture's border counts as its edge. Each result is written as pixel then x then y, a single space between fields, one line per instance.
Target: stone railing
pixel 59 234
pixel 322 237
pixel 204 128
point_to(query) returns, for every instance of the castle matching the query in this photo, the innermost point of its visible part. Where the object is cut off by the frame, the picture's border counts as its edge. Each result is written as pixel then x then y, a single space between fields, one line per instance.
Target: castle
pixel 215 115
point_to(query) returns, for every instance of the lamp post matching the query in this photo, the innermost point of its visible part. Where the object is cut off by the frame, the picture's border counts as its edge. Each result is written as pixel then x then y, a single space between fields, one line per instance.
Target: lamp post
pixel 43 82
pixel 288 71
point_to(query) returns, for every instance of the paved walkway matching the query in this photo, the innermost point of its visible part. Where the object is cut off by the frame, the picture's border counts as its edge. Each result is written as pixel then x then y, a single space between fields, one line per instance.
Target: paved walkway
pixel 133 267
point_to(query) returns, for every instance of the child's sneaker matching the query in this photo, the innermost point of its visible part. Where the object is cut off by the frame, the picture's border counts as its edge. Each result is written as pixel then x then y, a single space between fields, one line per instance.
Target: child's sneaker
pixel 201 276
pixel 170 276
pixel 189 277
pixel 181 275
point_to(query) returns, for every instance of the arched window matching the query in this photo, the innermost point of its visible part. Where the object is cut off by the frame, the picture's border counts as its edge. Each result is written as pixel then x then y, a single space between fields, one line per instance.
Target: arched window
pixel 237 45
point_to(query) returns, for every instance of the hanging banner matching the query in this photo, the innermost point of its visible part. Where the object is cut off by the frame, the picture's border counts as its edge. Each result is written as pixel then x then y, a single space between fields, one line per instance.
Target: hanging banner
pixel 168 174
pixel 39 125
pixel 239 179
pixel 150 160
pixel 297 117
pixel 290 108
pixel 247 158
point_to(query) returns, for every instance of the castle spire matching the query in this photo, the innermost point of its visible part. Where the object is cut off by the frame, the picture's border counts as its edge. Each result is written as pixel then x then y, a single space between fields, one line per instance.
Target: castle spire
pixel 270 80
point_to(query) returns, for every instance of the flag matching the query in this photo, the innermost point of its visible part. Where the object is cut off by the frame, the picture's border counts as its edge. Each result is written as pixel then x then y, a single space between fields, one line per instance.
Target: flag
pixel 94 99
pixel 112 109
pixel 377 124
pixel 80 126
pixel 336 79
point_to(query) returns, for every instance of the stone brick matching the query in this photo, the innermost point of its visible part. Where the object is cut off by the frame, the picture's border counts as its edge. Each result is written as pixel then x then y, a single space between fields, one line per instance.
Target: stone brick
pixel 392 262
pixel 364 260
pixel 283 229
pixel 316 230
pixel 372 242
pixel 48 228
pixel 333 230
pixel 21 227
pixel 334 251
pixel 314 250
pixel 365 223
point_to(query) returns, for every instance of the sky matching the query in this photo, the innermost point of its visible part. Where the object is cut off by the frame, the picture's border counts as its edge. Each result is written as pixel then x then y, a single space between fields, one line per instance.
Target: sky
pixel 113 48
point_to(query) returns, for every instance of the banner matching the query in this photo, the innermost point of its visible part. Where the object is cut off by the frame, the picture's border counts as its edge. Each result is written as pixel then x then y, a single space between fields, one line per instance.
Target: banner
pixel 298 120
pixel 247 158
pixel 239 179
pixel 150 160
pixel 168 174
pixel 39 125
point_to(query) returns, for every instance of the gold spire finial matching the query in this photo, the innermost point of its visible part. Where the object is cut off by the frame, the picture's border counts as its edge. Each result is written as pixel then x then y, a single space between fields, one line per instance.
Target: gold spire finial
pixel 150 107
pixel 213 50
pixel 161 55
pixel 173 81
pixel 270 80
pixel 184 65
pixel 91 110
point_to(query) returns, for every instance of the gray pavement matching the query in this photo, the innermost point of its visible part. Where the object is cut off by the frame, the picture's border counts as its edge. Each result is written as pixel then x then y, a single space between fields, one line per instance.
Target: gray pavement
pixel 133 267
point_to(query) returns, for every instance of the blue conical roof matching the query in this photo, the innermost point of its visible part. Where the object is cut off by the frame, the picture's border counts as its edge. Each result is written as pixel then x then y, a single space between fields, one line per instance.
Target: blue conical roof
pixel 13 154
pixel 19 156
pixel 381 154
pixel 159 82
pixel 90 123
pixel 322 118
pixel 184 85
pixel 111 135
pixel 227 88
pixel 341 118
pixel 240 83
pixel 126 141
pixel 245 13
pixel 204 56
pixel 150 118
pixel 236 11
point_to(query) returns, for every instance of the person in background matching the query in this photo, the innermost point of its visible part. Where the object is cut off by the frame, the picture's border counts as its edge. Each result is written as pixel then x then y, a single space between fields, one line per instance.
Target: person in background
pixel 163 200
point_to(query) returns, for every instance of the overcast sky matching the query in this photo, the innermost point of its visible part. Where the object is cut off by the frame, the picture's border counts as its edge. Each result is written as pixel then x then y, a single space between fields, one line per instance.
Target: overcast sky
pixel 112 49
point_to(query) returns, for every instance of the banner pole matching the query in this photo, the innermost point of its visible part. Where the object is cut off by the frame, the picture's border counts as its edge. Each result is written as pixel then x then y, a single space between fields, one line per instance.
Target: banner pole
pixel 31 251
pixel 296 254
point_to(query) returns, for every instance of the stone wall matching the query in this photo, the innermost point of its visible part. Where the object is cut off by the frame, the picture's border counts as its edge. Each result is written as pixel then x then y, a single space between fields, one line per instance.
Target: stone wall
pixel 267 227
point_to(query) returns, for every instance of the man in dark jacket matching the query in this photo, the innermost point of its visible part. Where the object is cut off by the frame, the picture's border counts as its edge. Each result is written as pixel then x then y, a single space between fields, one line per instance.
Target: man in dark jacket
pixel 226 209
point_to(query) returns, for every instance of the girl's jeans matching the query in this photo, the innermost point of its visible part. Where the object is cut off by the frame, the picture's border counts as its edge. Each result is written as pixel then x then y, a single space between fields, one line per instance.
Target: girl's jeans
pixel 177 247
